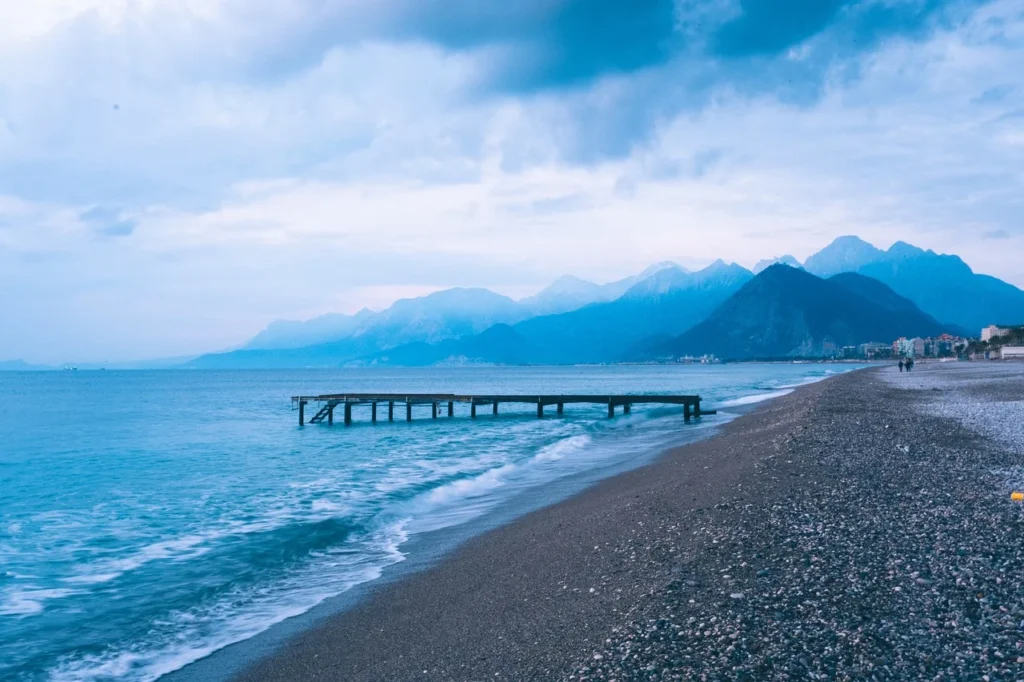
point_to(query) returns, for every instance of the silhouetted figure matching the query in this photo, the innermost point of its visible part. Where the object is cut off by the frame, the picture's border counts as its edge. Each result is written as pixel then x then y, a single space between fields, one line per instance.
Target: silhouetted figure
pixel 901 367
pixel 910 364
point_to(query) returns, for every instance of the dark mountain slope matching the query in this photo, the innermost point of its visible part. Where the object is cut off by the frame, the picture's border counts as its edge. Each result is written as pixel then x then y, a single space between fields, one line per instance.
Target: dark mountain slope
pixel 788 312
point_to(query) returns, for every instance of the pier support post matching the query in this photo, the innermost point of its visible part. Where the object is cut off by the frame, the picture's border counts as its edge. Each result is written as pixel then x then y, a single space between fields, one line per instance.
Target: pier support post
pixel 540 410
pixel 373 412
pixel 433 410
pixel 696 408
pixel 472 409
pixel 302 413
pixel 451 409
pixel 330 415
pixel 391 410
pixel 495 408
pixel 686 411
pixel 561 409
pixel 408 412
pixel 611 409
pixel 348 414
pixel 626 408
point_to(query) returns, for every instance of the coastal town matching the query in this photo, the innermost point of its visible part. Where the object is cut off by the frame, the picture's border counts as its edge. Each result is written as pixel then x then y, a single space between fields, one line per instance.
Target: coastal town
pixel 995 342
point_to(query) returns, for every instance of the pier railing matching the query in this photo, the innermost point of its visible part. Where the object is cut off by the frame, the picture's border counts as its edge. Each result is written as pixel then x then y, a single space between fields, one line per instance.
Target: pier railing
pixel 326 404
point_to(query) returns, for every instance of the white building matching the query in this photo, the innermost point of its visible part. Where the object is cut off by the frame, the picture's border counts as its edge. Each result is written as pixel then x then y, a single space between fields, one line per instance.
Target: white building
pixel 991 331
pixel 1013 353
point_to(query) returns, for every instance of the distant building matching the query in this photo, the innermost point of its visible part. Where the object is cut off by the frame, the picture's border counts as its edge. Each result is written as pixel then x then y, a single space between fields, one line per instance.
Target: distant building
pixel 1012 353
pixel 992 331
pixel 702 360
pixel 829 349
pixel 908 348
pixel 944 346
pixel 875 351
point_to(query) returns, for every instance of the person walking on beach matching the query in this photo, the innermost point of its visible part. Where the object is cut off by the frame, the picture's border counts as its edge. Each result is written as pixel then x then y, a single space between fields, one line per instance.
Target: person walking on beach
pixel 901 367
pixel 910 364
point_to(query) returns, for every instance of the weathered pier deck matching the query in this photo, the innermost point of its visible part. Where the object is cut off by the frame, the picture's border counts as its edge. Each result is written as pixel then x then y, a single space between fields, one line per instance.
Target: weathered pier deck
pixel 326 404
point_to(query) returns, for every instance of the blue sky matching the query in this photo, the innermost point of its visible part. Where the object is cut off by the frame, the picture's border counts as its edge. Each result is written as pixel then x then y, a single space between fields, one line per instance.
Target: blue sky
pixel 176 173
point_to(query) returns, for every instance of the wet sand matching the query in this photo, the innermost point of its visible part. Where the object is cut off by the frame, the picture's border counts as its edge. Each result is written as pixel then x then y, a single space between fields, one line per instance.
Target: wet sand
pixel 852 529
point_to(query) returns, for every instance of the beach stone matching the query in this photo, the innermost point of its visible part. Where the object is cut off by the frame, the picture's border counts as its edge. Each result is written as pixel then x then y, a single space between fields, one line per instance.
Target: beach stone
pixel 887 546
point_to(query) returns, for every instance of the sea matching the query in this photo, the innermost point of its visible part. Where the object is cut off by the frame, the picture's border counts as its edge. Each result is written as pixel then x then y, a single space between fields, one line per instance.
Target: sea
pixel 151 518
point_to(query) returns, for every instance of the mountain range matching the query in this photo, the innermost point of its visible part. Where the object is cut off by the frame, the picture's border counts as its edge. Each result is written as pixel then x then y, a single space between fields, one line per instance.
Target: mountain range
pixel 849 292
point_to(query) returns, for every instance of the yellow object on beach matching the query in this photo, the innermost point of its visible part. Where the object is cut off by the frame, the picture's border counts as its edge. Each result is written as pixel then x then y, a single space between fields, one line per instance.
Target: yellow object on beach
pixel 1017 497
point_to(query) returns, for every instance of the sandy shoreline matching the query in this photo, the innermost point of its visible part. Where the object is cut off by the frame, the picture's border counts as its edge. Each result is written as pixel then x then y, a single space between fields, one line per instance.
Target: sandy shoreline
pixel 702 564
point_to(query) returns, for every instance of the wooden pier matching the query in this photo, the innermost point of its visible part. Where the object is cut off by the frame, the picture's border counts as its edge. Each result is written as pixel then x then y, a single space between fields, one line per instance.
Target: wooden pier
pixel 326 404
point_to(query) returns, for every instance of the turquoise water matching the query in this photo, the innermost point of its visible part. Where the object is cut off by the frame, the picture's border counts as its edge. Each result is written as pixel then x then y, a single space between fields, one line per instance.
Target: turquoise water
pixel 148 519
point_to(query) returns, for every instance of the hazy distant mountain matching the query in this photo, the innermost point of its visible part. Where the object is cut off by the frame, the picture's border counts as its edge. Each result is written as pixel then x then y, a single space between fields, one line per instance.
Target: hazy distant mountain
pixel 442 315
pixel 943 286
pixel 787 312
pixel 21 366
pixel 499 345
pixel 668 277
pixel 666 304
pixel 566 293
pixel 763 265
pixel 572 293
pixel 845 254
pixel 292 334
pixel 449 314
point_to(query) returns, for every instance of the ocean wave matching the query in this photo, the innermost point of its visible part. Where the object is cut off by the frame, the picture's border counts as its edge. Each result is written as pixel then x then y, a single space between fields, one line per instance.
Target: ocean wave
pixel 192 634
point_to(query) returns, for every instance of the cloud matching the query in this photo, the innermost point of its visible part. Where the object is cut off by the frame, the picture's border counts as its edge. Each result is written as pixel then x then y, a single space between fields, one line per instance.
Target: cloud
pixel 108 222
pixel 285 159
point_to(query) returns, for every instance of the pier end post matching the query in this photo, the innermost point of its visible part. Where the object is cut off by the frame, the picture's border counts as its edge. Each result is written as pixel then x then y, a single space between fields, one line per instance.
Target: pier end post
pixel 696 408
pixel 348 413
pixel 302 413
pixel 373 412
pixel 686 411
pixel 330 415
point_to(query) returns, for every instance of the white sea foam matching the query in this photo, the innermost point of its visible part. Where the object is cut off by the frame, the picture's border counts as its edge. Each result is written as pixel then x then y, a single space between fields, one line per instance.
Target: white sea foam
pixel 562 448
pixel 28 601
pixel 468 488
pixel 91 578
pixel 334 508
pixel 754 399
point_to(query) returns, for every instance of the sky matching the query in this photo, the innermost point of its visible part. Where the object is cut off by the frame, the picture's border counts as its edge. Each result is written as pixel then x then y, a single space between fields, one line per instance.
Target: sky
pixel 175 174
